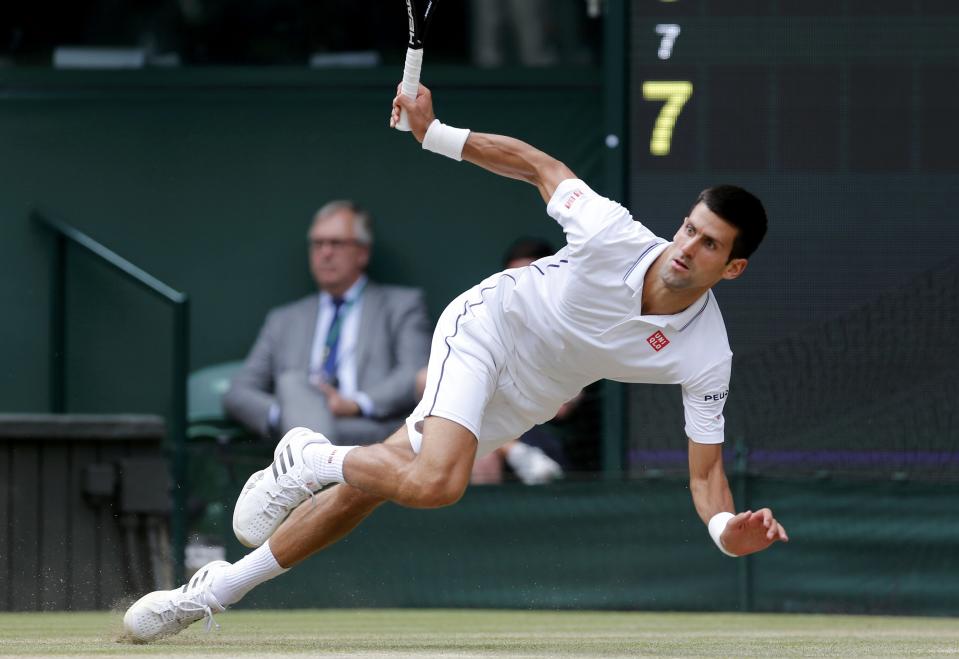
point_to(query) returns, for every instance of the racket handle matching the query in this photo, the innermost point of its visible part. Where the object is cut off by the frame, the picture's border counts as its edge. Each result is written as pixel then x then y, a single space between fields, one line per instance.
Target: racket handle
pixel 411 82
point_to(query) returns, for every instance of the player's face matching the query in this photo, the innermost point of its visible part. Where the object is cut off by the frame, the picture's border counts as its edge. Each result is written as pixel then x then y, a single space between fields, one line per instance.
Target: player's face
pixel 698 257
pixel 336 259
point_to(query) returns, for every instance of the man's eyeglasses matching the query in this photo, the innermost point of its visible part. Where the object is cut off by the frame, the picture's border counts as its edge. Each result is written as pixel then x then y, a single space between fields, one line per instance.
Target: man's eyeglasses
pixel 332 243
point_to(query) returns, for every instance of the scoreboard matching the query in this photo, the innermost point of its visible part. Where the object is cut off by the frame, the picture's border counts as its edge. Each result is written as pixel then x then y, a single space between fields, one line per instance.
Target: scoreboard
pixel 841 115
pixel 797 86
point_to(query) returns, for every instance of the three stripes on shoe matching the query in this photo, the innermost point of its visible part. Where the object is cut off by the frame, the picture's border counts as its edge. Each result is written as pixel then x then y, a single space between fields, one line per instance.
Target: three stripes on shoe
pixel 198 580
pixel 285 465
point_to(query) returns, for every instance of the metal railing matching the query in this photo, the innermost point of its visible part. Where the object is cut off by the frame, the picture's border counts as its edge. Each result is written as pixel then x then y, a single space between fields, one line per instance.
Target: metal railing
pixel 177 416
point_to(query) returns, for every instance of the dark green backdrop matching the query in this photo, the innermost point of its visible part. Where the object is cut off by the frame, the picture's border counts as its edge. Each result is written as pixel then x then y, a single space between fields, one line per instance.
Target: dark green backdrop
pixel 208 179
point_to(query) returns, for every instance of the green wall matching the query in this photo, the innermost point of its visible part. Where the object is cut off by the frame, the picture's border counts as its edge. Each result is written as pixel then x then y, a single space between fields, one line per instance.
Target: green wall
pixel 207 179
pixel 876 546
pixel 855 547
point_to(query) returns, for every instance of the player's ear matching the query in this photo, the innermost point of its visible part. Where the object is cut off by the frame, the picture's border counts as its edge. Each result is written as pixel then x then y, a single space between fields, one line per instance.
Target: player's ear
pixel 735 268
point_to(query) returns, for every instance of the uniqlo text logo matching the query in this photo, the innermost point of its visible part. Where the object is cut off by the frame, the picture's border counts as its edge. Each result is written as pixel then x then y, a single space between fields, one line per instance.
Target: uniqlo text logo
pixel 658 341
pixel 573 196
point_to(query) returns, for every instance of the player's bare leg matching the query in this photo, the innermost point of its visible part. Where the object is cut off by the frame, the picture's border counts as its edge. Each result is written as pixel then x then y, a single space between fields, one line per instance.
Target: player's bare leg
pixel 394 472
pixel 305 461
pixel 437 476
pixel 313 527
pixel 332 514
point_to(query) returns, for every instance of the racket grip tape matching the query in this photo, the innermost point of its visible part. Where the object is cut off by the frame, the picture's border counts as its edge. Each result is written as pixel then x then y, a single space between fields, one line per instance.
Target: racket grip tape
pixel 411 82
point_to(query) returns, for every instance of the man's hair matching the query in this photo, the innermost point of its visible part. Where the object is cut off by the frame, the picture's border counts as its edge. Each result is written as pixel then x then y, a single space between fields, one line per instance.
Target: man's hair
pixel 527 248
pixel 362 220
pixel 741 209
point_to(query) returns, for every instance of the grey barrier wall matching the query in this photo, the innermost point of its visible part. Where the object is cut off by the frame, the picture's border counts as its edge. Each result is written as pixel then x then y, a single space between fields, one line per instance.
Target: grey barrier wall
pixel 86 502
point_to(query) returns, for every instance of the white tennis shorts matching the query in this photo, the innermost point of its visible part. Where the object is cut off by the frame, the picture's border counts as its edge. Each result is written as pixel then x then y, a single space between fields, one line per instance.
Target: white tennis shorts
pixel 467 381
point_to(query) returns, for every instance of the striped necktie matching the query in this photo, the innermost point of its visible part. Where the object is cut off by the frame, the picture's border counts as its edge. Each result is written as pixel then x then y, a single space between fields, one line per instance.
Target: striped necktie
pixel 333 342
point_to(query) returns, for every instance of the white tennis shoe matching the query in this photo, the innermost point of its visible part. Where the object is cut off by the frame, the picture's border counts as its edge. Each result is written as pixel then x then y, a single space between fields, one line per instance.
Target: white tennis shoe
pixel 168 612
pixel 272 493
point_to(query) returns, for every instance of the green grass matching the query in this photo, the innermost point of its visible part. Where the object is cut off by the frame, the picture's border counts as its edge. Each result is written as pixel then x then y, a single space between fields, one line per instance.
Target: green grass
pixel 475 633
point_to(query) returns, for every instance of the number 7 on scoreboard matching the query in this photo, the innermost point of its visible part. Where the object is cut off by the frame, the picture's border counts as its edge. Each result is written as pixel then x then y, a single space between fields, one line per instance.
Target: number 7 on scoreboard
pixel 675 93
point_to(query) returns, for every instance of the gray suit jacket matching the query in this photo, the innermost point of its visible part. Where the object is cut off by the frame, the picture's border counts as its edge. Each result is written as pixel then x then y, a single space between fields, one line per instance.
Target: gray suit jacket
pixel 393 344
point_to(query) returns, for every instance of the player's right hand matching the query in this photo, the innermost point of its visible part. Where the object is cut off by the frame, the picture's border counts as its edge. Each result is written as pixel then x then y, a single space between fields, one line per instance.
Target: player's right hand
pixel 419 111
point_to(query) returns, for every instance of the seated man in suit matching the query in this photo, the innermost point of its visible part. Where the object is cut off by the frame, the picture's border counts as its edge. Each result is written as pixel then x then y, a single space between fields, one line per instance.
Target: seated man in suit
pixel 343 361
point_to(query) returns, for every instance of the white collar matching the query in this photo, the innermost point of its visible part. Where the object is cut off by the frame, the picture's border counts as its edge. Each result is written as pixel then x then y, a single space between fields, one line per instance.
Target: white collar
pixel 351 295
pixel 636 276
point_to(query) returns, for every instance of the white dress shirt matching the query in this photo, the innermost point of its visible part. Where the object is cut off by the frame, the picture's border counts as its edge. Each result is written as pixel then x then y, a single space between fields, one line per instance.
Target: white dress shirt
pixel 346 366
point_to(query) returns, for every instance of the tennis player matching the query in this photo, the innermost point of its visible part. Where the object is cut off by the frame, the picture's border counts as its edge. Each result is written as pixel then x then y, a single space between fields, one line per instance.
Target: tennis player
pixel 616 302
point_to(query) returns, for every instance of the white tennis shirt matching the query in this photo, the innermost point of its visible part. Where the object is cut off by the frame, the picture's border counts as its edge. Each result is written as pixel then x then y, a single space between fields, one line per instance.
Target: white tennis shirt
pixel 576 317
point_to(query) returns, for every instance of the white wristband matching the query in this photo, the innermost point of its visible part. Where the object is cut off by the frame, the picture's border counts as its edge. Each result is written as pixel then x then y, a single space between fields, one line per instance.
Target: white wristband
pixel 716 527
pixel 445 140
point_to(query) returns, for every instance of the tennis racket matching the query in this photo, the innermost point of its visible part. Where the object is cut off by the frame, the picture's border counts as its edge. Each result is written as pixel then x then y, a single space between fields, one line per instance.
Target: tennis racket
pixel 419 24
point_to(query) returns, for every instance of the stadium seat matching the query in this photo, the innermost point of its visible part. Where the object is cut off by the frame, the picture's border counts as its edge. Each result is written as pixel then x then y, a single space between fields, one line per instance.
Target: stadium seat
pixel 221 454
pixel 205 416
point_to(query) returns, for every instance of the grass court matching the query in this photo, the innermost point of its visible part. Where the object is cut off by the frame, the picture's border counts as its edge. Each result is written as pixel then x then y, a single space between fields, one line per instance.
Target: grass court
pixel 483 633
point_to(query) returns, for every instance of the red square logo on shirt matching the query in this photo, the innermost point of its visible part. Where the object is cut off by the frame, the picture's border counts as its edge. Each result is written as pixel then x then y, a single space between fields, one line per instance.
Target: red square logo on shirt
pixel 658 340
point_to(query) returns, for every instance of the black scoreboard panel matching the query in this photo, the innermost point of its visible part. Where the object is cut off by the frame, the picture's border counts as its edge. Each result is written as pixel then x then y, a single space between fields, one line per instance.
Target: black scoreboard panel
pixel 842 115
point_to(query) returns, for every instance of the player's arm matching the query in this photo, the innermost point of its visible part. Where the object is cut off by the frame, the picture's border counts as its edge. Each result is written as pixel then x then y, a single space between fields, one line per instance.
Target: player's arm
pixel 745 533
pixel 499 154
pixel 707 480
pixel 513 158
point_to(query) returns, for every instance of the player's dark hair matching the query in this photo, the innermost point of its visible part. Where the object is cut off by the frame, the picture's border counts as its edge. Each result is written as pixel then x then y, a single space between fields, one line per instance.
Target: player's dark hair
pixel 743 210
pixel 527 248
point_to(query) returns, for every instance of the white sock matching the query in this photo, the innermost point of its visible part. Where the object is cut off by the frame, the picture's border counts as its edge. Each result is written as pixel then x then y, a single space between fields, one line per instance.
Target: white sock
pixel 234 582
pixel 326 461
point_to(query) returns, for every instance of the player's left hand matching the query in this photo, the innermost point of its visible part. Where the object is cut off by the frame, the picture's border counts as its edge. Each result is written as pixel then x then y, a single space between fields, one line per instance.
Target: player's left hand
pixel 339 404
pixel 752 531
pixel 419 111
